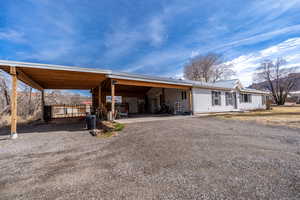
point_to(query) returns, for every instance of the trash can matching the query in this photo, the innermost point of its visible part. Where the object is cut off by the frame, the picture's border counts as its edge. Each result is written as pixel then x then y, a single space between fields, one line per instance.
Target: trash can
pixel 92 122
pixel 88 122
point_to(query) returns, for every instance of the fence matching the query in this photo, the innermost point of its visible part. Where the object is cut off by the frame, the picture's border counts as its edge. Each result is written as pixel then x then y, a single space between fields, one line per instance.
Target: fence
pixel 66 111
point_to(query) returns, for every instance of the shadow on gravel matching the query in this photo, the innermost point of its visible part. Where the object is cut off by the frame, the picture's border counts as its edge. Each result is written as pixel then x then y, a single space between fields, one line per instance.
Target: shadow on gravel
pixel 70 126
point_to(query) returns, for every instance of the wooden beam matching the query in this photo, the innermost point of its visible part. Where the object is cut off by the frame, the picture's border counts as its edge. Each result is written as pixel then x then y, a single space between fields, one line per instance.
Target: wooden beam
pixel 93 100
pixel 99 98
pixel 14 80
pixel 113 99
pixel 191 101
pixel 150 84
pixel 27 80
pixel 43 105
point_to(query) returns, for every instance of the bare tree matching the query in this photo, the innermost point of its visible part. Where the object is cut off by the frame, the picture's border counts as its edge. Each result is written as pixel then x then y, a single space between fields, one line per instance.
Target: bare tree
pixel 208 68
pixel 278 79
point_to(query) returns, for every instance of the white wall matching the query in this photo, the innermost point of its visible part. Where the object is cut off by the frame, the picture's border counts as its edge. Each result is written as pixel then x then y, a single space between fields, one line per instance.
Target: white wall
pixel 202 102
pixel 255 104
pixel 174 95
pixel 153 98
pixel 171 97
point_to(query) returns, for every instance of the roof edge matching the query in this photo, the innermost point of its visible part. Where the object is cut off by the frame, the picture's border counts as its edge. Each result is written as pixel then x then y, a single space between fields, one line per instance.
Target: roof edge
pixel 53 67
pixel 153 80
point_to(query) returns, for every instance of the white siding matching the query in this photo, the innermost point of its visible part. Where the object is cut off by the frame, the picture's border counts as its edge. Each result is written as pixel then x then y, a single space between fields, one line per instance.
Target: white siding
pixel 174 95
pixel 202 102
pixel 171 97
pixel 255 104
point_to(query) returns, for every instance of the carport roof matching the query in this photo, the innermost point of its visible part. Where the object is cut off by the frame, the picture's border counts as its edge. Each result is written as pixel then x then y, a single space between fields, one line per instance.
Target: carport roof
pixel 44 76
pixel 47 76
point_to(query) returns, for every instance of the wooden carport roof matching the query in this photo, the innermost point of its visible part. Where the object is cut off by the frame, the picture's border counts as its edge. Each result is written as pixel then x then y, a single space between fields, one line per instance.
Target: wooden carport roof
pixel 45 76
pixel 41 76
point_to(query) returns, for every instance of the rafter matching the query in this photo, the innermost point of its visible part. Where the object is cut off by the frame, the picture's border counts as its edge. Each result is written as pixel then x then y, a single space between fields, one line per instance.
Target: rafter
pixel 26 79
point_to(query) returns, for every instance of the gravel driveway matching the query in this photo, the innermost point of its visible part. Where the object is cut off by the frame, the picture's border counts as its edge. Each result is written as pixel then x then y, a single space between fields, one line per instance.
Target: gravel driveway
pixel 188 158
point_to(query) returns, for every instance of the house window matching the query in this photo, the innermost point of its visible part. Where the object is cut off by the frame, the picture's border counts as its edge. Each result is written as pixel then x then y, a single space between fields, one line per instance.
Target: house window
pixel 229 98
pixel 183 95
pixel 216 98
pixel 245 98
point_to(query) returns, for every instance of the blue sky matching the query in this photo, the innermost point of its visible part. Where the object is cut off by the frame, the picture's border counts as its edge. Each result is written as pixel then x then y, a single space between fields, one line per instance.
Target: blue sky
pixel 150 37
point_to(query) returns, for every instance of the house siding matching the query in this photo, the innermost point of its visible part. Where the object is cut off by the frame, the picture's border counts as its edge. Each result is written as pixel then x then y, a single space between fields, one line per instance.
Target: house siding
pixel 202 102
pixel 255 104
pixel 171 97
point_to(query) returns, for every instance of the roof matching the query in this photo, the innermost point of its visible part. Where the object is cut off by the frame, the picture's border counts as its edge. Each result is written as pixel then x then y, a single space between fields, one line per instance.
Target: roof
pixel 227 83
pixel 250 90
pixel 50 76
pixel 295 92
pixel 52 67
pixel 223 84
pixel 138 77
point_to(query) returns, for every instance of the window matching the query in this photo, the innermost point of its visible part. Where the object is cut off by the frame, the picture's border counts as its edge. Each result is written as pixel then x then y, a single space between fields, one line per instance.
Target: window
pixel 229 98
pixel 183 95
pixel 216 98
pixel 245 98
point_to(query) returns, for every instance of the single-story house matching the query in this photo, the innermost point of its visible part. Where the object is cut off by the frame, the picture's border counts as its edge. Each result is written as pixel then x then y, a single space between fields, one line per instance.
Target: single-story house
pixel 295 95
pixel 138 94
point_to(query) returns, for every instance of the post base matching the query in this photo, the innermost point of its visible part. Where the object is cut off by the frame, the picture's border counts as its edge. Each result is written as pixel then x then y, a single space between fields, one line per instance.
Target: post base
pixel 14 136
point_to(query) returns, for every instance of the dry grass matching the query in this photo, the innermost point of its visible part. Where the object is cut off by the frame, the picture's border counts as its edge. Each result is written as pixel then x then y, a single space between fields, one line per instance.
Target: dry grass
pixel 109 129
pixel 5 120
pixel 279 115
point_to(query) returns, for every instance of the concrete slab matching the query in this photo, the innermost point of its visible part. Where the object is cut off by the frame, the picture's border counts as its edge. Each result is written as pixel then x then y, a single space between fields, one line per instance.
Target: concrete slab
pixel 152 118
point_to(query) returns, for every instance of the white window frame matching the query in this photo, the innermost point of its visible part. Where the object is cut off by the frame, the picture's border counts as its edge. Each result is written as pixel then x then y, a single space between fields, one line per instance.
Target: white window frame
pixel 243 98
pixel 216 95
pixel 229 98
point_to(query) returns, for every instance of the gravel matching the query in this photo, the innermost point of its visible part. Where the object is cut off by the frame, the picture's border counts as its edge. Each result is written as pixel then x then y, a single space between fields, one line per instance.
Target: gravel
pixel 192 158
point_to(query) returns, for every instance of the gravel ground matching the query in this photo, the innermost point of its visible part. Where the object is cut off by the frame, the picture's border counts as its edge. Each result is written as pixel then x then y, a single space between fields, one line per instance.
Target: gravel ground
pixel 188 158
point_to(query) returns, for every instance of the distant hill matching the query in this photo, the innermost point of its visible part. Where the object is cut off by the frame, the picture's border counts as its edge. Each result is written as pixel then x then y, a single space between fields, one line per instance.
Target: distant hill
pixel 263 85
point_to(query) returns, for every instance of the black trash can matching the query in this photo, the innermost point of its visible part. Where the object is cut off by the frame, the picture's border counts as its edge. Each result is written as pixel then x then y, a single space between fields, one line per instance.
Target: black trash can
pixel 47 113
pixel 87 121
pixel 90 122
pixel 93 122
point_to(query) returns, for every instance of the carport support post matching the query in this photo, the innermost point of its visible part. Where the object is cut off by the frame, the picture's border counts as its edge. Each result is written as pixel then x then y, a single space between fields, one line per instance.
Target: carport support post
pixel 113 99
pixel 191 100
pixel 43 104
pixel 14 80
pixel 99 99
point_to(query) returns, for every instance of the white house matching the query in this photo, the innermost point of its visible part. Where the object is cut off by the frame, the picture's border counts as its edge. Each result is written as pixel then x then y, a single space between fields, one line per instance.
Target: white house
pixel 295 94
pixel 224 96
pixel 136 94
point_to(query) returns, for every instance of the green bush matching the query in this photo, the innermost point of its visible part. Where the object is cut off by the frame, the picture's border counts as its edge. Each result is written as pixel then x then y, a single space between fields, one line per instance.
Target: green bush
pixel 118 127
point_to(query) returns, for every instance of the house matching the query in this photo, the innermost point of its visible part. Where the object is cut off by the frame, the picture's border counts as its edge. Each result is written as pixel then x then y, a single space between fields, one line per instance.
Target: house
pixel 137 94
pixel 295 95
pixel 224 96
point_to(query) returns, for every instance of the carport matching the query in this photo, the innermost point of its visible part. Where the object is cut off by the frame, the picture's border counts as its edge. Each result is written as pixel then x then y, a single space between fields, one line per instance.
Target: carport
pixel 101 83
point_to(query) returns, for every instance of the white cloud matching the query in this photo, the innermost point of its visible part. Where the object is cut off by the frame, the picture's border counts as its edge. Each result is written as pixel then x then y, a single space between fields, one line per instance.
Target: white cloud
pixel 275 8
pixel 12 35
pixel 159 60
pixel 157 31
pixel 246 64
